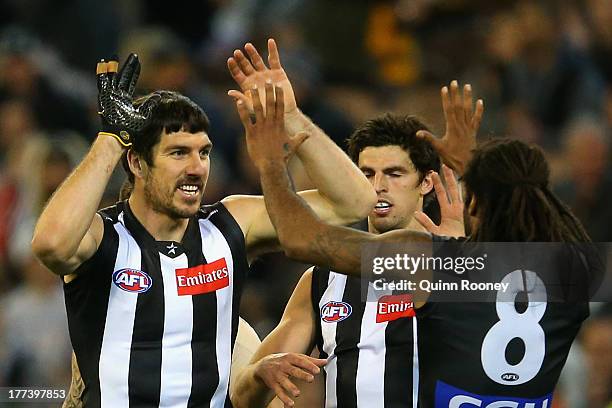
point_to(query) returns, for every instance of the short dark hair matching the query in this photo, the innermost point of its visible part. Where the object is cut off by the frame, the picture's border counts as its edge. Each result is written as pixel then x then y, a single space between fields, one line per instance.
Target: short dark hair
pixel 396 130
pixel 173 113
pixel 400 130
pixel 510 181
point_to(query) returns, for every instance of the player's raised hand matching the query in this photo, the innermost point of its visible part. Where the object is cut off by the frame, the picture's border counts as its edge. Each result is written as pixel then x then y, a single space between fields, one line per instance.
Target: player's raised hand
pixel 120 118
pixel 249 69
pixel 276 371
pixel 451 207
pixel 267 138
pixel 462 124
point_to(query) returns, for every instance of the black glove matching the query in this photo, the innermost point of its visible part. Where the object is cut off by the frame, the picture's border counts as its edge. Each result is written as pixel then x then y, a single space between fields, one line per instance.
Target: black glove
pixel 120 119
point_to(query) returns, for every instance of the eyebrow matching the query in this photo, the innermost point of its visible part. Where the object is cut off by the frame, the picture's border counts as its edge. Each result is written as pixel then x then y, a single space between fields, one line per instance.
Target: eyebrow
pixel 182 146
pixel 387 169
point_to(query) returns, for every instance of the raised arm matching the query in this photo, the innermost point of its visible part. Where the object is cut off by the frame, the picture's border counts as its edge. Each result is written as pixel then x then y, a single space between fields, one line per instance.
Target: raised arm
pixel 343 194
pixel 69 231
pixel 282 358
pixel 462 124
pixel 301 232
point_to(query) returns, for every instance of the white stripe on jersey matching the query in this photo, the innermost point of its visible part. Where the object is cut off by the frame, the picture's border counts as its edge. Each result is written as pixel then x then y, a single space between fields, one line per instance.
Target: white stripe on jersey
pixel 370 381
pixel 328 330
pixel 214 247
pixel 117 340
pixel 176 340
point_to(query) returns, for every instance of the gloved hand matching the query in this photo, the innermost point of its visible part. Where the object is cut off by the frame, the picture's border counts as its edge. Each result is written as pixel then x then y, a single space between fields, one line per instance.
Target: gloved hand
pixel 120 118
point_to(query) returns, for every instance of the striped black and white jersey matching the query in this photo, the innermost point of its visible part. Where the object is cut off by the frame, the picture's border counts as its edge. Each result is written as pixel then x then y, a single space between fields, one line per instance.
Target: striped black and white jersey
pixel 153 323
pixel 371 346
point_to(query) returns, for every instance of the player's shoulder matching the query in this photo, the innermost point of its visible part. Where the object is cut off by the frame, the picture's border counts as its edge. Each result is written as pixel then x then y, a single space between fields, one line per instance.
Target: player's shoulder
pixel 209 210
pixel 111 213
pixel 241 205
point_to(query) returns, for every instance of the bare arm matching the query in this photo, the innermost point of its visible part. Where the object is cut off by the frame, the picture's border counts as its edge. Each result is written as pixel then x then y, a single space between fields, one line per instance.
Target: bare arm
pixel 69 231
pixel 343 194
pixel 306 238
pixel 260 235
pixel 266 375
pixel 302 234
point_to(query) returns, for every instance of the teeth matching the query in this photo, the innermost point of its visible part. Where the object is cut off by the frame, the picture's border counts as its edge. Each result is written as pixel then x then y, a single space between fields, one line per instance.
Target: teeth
pixel 189 189
pixel 382 205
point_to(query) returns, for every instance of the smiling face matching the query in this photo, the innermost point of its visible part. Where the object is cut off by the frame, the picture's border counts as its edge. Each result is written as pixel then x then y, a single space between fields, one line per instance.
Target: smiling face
pixel 396 182
pixel 174 184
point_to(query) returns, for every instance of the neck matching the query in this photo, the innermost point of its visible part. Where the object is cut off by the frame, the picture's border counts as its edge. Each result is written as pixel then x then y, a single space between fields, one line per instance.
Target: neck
pixel 161 226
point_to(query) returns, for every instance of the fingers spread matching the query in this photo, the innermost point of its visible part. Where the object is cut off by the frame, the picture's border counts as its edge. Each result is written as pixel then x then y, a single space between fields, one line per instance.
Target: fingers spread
pixel 467 102
pixel 477 118
pixel 425 221
pixel 449 113
pixel 429 137
pixel 282 395
pixel 243 63
pixel 307 363
pixel 101 67
pixel 289 386
pixel 257 106
pixel 270 103
pixel 280 103
pixel 451 184
pixel 237 95
pixel 456 100
pixel 101 73
pixel 243 112
pixel 300 374
pixel 256 59
pixel 440 190
pixel 235 70
pixel 273 56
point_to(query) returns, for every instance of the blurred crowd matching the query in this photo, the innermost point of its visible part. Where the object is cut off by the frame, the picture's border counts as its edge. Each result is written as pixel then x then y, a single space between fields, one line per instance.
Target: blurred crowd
pixel 543 68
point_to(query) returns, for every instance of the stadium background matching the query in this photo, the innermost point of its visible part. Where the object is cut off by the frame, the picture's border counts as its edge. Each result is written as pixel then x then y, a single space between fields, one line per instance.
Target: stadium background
pixel 543 68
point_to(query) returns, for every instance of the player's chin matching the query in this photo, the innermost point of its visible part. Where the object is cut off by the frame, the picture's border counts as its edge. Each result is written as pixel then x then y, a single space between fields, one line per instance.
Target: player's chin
pixel 383 224
pixel 187 207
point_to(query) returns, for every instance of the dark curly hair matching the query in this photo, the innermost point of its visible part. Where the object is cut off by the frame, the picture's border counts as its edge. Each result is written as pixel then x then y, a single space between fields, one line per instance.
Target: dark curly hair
pixel 510 181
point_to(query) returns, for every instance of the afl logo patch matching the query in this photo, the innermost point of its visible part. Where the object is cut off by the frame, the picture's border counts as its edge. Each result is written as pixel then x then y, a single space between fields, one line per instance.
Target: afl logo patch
pixel 510 377
pixel 132 280
pixel 332 312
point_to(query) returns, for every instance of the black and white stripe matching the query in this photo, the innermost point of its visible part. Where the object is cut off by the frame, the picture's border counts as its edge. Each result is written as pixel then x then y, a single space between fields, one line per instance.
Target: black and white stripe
pixel 370 364
pixel 157 348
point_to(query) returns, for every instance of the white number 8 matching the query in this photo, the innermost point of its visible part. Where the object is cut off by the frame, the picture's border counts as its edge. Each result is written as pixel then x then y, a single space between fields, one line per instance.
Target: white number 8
pixel 511 325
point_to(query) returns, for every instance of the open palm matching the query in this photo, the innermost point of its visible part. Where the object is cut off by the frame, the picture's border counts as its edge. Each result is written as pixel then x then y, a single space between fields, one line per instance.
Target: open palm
pixel 451 207
pixel 251 72
pixel 462 124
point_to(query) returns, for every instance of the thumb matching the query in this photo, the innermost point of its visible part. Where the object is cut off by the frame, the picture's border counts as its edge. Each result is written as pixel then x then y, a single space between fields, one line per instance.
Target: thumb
pixel 425 221
pixel 297 140
pixel 239 96
pixel 429 137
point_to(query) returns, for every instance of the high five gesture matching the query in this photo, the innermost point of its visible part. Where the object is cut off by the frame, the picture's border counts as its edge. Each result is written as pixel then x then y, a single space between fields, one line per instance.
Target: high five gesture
pixel 462 124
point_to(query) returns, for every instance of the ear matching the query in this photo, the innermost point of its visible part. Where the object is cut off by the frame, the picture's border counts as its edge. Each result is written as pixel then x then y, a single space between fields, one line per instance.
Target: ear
pixel 136 163
pixel 427 184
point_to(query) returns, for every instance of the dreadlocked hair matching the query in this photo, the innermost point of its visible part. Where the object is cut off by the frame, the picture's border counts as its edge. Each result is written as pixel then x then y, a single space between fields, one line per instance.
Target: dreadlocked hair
pixel 510 181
